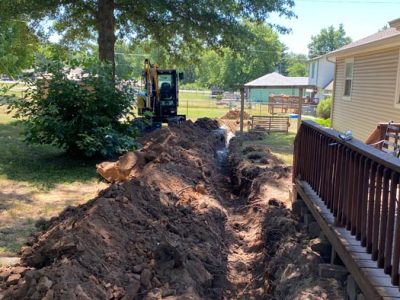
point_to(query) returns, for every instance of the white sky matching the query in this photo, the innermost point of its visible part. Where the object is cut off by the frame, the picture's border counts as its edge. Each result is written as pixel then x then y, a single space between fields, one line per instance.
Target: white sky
pixel 360 18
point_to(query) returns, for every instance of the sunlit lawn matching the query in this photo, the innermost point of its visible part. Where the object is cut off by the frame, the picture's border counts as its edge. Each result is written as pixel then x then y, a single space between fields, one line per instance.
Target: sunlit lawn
pixel 36 182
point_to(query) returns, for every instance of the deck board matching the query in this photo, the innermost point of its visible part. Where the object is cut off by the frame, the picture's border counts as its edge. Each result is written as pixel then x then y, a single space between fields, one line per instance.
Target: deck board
pixel 357 260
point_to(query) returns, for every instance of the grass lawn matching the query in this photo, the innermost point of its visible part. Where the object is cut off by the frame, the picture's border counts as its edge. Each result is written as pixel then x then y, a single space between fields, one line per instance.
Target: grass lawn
pixel 17 89
pixel 280 143
pixel 36 182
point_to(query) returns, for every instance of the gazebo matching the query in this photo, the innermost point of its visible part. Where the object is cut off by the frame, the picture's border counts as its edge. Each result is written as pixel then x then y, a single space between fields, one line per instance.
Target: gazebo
pixel 276 81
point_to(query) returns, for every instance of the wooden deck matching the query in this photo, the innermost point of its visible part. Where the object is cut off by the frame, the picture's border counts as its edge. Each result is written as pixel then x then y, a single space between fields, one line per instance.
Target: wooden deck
pixel 373 281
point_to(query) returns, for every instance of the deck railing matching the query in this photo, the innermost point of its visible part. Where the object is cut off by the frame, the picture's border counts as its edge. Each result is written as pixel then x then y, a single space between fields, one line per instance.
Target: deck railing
pixel 360 186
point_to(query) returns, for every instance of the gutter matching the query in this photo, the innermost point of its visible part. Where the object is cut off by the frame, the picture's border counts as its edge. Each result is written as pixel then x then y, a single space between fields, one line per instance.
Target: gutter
pixel 384 43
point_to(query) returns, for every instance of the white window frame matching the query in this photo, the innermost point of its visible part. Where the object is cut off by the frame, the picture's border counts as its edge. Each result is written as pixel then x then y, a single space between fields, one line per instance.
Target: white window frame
pixel 397 93
pixel 348 61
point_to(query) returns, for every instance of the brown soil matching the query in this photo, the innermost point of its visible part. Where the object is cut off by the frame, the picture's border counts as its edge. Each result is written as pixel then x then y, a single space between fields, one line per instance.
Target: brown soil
pixel 286 267
pixel 234 114
pixel 176 231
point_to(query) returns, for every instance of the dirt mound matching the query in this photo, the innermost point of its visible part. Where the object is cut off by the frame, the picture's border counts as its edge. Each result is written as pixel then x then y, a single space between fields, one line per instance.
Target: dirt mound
pixel 288 266
pixel 235 114
pixel 161 234
pixel 155 149
pixel 291 265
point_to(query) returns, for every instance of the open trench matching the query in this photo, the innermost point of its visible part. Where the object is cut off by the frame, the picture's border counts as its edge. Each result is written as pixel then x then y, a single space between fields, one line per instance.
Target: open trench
pixel 269 254
pixel 195 218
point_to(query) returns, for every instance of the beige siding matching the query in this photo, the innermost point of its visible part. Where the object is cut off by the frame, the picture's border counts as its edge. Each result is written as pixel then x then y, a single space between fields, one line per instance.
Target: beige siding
pixel 373 93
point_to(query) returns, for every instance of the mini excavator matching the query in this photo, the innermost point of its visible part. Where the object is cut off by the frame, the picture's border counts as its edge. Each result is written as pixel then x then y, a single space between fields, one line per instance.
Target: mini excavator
pixel 160 96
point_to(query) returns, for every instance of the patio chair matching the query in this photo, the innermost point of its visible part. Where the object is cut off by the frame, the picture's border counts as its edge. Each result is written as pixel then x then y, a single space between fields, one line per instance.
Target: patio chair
pixel 390 140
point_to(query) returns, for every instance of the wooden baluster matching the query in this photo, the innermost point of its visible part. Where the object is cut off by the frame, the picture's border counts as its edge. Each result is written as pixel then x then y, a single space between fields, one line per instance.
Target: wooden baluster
pixel 350 190
pixel 390 223
pixel 354 195
pixel 384 215
pixel 364 203
pixel 377 213
pixel 336 181
pixel 396 248
pixel 371 201
pixel 359 197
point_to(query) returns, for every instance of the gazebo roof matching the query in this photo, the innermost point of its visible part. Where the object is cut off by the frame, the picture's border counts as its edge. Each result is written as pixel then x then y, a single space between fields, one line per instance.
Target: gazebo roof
pixel 276 80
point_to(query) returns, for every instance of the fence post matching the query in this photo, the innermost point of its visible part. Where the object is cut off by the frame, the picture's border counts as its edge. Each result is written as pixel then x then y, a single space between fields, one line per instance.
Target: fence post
pixel 241 113
pixel 300 107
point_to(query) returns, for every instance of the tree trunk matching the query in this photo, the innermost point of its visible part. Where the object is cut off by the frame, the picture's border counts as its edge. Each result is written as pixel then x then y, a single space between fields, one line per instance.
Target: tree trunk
pixel 106 31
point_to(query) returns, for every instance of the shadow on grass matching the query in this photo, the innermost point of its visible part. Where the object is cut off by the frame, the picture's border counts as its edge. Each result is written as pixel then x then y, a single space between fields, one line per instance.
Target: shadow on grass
pixel 281 144
pixel 41 165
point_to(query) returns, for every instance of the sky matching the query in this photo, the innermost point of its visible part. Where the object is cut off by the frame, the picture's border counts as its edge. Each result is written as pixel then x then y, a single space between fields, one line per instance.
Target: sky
pixel 360 18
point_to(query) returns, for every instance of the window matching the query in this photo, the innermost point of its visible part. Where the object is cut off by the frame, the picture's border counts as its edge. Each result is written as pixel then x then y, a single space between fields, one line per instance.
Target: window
pixel 348 84
pixel 313 70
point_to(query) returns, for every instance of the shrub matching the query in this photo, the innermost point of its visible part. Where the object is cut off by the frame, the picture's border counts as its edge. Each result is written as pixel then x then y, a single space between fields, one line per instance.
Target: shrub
pixel 81 116
pixel 324 108
pixel 219 97
pixel 323 122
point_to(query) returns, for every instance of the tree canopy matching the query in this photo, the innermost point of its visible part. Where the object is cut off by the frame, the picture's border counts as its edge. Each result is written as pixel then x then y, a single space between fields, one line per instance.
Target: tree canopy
pixel 197 24
pixel 294 65
pixel 17 46
pixel 231 68
pixel 327 40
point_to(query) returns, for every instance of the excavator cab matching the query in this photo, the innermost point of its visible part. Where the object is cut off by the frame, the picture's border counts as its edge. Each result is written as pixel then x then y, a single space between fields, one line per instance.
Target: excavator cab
pixel 160 96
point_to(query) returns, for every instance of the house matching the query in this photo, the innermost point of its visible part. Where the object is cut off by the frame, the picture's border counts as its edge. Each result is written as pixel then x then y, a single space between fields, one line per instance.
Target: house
pixel 321 73
pixel 274 83
pixel 367 82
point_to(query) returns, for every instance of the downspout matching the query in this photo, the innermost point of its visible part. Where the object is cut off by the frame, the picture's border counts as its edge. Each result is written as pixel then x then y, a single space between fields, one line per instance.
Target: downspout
pixel 316 74
pixel 333 88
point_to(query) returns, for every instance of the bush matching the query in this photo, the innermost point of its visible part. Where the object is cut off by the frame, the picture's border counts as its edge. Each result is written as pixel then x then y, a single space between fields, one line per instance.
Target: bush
pixel 81 116
pixel 324 108
pixel 323 122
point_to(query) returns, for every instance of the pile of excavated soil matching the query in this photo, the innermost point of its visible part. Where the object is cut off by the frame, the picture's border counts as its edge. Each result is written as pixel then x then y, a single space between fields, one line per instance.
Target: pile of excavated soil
pixel 159 235
pixel 286 267
pixel 234 114
pixel 178 227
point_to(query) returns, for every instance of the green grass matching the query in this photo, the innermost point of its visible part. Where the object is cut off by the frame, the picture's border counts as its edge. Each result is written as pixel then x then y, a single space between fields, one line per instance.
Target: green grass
pixel 36 181
pixel 42 165
pixel 281 145
pixel 194 113
pixel 17 90
pixel 183 96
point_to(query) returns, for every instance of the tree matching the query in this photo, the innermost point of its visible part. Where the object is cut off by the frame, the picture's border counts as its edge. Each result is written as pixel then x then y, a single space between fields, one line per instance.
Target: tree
pixel 327 40
pixel 294 65
pixel 235 66
pixel 17 46
pixel 87 116
pixel 199 24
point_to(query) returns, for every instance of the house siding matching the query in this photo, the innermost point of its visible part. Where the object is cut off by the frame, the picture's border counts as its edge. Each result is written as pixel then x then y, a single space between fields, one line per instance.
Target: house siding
pixel 373 93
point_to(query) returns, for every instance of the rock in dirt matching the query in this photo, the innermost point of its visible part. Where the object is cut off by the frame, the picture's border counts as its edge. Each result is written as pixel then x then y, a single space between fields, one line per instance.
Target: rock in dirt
pixel 44 284
pixel 18 270
pixel 132 290
pixel 145 278
pixel 13 279
pixel 4 275
pixel 235 114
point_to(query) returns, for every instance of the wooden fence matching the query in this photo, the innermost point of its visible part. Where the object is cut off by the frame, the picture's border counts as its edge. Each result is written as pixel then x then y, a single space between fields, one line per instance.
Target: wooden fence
pixel 360 186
